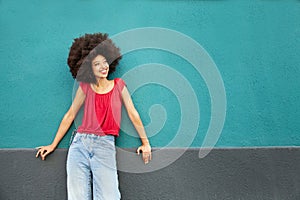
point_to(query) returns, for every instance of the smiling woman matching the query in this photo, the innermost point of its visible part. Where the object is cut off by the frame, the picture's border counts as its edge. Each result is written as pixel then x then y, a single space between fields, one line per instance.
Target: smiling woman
pixel 91 161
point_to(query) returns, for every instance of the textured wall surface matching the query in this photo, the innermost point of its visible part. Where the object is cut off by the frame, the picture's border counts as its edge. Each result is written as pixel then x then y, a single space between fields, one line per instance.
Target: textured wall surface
pixel 245 174
pixel 254 44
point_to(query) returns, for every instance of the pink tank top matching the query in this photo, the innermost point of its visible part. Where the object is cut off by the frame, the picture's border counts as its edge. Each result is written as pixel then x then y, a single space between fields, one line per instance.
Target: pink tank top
pixel 102 112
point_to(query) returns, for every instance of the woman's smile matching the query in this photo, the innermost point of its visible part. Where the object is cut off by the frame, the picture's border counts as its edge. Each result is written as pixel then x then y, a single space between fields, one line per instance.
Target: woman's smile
pixel 104 71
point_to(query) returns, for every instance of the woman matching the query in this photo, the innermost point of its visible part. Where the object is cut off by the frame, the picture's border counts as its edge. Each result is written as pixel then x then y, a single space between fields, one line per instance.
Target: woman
pixel 91 162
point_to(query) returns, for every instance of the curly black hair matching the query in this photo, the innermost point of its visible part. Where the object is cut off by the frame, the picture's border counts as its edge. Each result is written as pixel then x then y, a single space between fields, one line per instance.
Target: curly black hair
pixel 85 48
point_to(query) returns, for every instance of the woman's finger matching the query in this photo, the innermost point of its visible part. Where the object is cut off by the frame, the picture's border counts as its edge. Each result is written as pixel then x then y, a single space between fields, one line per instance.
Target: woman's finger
pixel 37 154
pixel 146 157
pixel 44 154
pixel 138 150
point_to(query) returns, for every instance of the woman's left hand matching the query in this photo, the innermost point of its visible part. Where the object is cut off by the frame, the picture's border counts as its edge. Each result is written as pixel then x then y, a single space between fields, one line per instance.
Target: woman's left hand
pixel 146 152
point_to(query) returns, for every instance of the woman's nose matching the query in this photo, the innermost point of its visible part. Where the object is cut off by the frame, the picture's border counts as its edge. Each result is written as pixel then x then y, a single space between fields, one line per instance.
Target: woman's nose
pixel 104 67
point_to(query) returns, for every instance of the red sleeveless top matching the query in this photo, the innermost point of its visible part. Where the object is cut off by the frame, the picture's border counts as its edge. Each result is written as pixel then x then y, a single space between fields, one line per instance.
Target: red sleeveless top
pixel 102 112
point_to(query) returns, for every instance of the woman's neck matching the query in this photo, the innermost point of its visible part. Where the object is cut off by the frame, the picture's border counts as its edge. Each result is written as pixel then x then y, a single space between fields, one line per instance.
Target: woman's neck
pixel 101 82
pixel 103 86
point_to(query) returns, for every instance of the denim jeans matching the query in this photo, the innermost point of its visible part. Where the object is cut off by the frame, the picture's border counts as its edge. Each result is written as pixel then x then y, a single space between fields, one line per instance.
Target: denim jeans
pixel 91 168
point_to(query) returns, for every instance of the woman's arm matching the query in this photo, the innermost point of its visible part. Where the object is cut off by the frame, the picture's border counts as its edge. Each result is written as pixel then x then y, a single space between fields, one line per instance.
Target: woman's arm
pixel 137 123
pixel 64 125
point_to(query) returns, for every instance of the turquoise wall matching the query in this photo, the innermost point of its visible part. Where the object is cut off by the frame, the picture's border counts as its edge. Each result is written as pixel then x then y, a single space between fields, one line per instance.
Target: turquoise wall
pixel 255 45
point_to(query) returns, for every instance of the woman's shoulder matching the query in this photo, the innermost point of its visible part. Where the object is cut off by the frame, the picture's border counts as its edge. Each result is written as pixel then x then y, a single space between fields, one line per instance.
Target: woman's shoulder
pixel 119 80
pixel 84 86
pixel 120 83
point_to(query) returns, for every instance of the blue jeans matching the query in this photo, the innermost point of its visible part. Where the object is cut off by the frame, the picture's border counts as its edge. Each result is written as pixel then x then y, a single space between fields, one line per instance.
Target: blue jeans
pixel 91 168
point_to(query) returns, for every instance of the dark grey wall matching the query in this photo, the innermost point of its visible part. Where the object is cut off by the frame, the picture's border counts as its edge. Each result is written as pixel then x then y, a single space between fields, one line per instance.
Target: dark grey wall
pixel 263 173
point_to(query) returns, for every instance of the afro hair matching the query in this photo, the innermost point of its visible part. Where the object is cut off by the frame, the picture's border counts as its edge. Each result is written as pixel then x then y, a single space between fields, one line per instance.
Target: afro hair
pixel 85 48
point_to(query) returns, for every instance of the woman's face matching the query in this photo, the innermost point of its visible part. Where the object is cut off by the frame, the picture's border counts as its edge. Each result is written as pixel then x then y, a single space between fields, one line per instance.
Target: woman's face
pixel 100 67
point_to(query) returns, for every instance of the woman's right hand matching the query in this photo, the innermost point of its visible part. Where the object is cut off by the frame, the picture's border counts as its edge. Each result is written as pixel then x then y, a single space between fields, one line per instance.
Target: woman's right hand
pixel 43 151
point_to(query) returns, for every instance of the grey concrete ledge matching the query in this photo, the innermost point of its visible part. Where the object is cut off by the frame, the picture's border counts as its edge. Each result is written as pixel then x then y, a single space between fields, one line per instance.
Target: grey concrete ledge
pixel 225 173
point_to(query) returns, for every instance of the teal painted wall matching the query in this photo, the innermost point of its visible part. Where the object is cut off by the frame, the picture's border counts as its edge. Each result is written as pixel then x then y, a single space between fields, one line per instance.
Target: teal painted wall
pixel 255 45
